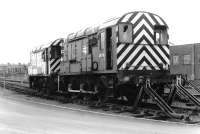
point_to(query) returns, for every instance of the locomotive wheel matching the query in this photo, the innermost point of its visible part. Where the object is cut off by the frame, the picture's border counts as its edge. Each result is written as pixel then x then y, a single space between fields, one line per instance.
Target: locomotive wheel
pixel 101 91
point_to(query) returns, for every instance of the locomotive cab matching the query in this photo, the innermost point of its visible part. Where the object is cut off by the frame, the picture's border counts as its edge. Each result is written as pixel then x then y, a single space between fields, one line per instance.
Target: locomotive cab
pixel 161 38
pixel 55 52
pixel 109 38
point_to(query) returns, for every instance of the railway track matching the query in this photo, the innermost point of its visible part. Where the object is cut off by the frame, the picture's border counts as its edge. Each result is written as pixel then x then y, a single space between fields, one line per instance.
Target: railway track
pixel 113 107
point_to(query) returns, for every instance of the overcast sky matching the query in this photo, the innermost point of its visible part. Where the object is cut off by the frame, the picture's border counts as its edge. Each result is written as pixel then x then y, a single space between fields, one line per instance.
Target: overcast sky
pixel 25 24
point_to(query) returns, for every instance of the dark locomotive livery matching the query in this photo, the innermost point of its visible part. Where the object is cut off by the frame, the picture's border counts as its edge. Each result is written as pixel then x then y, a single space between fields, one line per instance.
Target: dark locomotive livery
pixel 116 60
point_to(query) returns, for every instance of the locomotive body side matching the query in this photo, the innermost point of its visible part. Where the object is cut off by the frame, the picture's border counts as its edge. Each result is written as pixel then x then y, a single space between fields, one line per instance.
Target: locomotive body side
pixel 37 65
pixel 135 43
pixel 116 53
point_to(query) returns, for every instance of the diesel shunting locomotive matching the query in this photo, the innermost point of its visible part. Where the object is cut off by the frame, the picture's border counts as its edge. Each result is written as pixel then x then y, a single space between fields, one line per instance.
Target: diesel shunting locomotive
pixel 118 59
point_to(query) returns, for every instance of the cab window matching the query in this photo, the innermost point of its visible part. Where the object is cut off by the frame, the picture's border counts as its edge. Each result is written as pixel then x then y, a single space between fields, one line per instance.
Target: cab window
pixel 161 35
pixel 125 33
pixel 44 56
pixel 55 52
pixel 102 40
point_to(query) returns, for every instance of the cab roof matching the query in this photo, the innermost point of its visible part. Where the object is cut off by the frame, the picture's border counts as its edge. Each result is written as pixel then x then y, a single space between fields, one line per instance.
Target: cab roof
pixel 130 17
pixel 42 47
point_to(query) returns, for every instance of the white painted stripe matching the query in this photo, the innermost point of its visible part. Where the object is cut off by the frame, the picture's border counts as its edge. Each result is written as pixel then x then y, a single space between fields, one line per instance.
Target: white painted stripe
pixel 147 66
pixel 52 60
pixel 57 62
pixel 153 53
pixel 144 64
pixel 143 32
pixel 132 55
pixel 57 68
pixel 138 59
pixel 159 20
pixel 143 42
pixel 140 68
pixel 151 61
pixel 144 54
pixel 136 17
pixel 56 42
pixel 161 53
pixel 166 48
pixel 149 18
pixel 143 22
pixel 120 47
pixel 125 19
pixel 124 53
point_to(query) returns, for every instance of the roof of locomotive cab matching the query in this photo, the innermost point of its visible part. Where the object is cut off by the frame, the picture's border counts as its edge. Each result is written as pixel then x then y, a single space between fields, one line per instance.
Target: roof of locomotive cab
pixel 42 47
pixel 127 17
pixel 39 48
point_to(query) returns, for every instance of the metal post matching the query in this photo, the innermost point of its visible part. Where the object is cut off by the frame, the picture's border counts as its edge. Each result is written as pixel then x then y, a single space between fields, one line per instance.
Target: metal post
pixel 178 79
pixel 58 83
pixel 4 83
pixel 147 82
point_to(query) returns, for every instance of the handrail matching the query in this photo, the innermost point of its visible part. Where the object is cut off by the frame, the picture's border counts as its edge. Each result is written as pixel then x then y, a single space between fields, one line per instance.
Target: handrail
pixel 185 92
pixel 193 86
pixel 189 95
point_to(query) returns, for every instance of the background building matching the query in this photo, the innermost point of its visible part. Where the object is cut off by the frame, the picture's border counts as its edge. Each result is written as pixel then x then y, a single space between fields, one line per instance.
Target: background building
pixel 185 59
pixel 13 69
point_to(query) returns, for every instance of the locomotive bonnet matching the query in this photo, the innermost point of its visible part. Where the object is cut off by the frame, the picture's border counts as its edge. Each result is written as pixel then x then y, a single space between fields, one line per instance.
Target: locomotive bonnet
pixel 135 43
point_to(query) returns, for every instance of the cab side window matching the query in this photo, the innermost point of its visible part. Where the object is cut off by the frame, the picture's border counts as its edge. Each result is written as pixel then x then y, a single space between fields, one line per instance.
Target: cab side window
pixel 125 33
pixel 69 51
pixel 55 52
pixel 102 40
pixel 160 35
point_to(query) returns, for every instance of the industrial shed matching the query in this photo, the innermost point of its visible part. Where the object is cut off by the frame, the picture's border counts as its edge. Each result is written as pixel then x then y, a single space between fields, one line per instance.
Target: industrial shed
pixel 185 59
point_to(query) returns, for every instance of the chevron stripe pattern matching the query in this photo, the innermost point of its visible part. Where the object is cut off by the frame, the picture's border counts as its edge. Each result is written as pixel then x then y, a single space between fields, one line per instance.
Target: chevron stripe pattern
pixel 54 65
pixel 143 53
